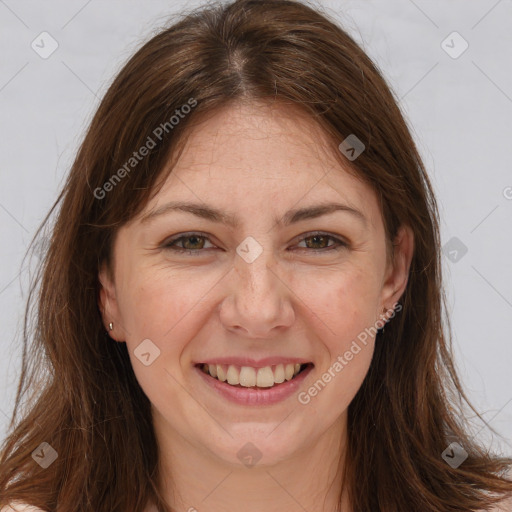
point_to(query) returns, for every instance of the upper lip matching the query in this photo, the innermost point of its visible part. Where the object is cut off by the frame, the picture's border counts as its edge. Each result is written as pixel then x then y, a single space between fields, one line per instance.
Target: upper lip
pixel 254 363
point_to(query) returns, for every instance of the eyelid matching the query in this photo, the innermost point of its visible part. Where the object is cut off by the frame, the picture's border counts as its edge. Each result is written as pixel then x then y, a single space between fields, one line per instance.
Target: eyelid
pixel 339 242
pixel 175 238
pixel 337 238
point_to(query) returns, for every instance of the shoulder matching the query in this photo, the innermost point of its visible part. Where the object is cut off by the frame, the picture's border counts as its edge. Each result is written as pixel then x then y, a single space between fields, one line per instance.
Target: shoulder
pixel 503 506
pixel 20 507
pixel 16 506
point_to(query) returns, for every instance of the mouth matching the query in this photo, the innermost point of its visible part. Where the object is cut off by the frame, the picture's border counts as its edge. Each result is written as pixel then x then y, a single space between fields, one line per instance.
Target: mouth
pixel 267 377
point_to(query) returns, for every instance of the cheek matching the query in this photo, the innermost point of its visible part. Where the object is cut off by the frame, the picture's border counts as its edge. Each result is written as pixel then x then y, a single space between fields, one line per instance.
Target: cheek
pixel 349 346
pixel 345 299
pixel 150 296
pixel 165 306
pixel 346 304
pixel 158 306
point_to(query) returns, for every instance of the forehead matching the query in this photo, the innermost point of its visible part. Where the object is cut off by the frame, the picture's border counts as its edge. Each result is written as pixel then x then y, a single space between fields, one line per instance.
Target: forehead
pixel 273 152
pixel 264 133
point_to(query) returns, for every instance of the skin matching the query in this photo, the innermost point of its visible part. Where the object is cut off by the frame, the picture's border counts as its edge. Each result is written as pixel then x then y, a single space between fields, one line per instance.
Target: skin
pixel 297 299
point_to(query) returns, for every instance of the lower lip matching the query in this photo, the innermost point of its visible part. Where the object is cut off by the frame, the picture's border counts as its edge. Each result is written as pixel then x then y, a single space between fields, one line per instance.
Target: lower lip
pixel 251 396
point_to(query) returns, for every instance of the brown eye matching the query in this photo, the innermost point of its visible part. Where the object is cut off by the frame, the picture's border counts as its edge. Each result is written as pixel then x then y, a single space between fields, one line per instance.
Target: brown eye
pixel 317 241
pixel 320 242
pixel 191 243
pixel 194 243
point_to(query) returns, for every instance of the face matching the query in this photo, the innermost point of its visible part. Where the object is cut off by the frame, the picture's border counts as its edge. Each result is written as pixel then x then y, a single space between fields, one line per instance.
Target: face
pixel 254 276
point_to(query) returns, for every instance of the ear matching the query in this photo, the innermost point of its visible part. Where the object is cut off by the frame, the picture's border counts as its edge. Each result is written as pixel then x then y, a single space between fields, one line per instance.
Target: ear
pixel 108 305
pixel 397 271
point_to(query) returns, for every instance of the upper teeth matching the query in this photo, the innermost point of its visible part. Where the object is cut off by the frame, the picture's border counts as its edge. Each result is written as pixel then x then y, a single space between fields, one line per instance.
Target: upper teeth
pixel 248 376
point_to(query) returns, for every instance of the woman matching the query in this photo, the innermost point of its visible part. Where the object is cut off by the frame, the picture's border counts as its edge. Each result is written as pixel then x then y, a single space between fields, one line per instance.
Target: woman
pixel 249 221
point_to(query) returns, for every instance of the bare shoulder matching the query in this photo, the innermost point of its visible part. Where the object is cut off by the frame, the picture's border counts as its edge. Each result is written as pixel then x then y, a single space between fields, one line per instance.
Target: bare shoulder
pixel 20 507
pixel 504 506
pixel 23 507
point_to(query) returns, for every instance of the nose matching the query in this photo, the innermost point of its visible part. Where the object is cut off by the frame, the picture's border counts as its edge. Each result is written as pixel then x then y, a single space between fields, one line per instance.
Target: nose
pixel 258 302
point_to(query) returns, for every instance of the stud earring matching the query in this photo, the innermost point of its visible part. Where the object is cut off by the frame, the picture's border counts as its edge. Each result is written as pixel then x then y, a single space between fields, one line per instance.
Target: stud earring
pixel 381 330
pixel 111 326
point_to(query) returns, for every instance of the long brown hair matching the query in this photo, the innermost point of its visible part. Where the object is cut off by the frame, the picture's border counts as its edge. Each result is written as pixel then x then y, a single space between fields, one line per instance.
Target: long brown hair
pixel 77 390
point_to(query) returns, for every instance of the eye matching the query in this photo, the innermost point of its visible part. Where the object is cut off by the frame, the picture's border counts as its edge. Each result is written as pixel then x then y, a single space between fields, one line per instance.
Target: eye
pixel 194 243
pixel 321 239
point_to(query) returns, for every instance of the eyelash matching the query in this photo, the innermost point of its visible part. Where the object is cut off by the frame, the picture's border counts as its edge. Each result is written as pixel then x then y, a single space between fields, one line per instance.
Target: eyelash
pixel 340 244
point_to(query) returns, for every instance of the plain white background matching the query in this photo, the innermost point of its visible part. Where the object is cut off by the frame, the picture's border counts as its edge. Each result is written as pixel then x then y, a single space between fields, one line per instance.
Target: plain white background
pixel 458 106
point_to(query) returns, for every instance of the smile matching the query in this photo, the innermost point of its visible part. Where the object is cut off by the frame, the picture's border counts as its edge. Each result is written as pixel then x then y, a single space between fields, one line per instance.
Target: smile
pixel 244 380
pixel 250 377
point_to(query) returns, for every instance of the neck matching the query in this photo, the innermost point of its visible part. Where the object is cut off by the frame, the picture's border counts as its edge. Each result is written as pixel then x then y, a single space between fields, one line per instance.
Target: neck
pixel 192 478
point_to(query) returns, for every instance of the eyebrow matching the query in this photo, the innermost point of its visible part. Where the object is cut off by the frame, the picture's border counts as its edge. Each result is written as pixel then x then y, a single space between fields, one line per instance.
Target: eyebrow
pixel 215 215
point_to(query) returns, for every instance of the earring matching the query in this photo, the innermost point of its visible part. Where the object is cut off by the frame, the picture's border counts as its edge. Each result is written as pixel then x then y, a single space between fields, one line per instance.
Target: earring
pixel 381 330
pixel 111 326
